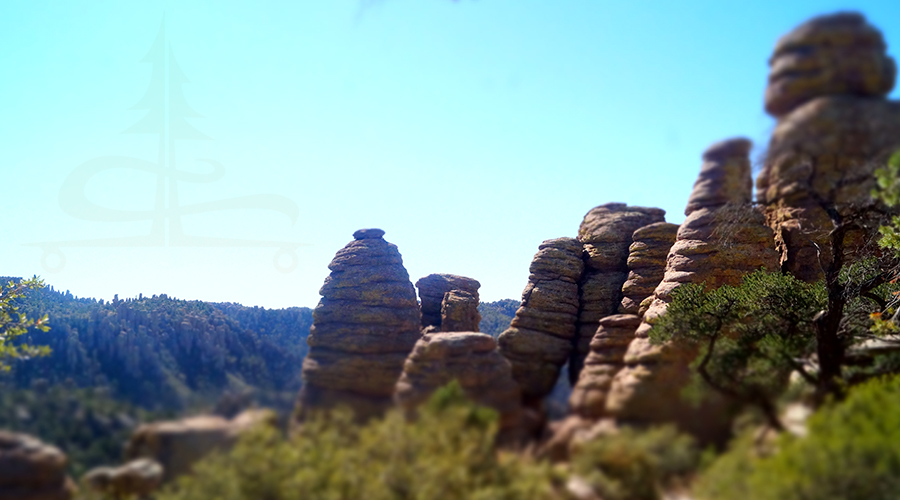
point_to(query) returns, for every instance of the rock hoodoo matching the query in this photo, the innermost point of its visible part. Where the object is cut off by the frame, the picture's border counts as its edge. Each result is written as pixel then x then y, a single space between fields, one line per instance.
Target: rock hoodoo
pixel 606 233
pixel 606 358
pixel 827 84
pixel 459 312
pixel 646 264
pixel 473 360
pixel 837 54
pixel 722 239
pixel 364 326
pixel 432 289
pixel 540 337
pixel 30 469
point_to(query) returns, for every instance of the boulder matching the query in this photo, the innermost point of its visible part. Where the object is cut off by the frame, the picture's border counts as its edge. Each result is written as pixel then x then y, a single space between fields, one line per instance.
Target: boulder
pixel 32 470
pixel 473 360
pixel 723 238
pixel 178 444
pixel 836 54
pixel 459 312
pixel 432 289
pixel 827 86
pixel 646 264
pixel 606 233
pixel 363 328
pixel 540 337
pixel 137 478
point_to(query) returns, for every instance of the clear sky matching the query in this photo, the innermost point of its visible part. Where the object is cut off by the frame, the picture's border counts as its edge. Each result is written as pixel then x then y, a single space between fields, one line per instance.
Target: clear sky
pixel 469 131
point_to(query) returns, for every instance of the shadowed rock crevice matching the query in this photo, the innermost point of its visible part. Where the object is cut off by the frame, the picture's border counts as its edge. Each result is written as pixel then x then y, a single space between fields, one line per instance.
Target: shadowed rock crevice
pixel 606 233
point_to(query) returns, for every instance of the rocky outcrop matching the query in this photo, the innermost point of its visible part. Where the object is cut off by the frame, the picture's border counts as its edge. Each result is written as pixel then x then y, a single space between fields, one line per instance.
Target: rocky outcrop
pixel 459 312
pixel 473 360
pixel 178 444
pixel 364 326
pixel 606 233
pixel 606 358
pixel 646 264
pixel 540 337
pixel 32 470
pixel 827 85
pixel 722 239
pixel 838 54
pixel 432 289
pixel 137 478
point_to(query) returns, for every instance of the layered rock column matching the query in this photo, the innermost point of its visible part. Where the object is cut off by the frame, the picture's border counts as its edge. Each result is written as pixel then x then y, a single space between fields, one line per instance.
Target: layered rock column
pixel 646 264
pixel 459 312
pixel 606 233
pixel 473 360
pixel 722 239
pixel 432 289
pixel 363 328
pixel 540 338
pixel 827 85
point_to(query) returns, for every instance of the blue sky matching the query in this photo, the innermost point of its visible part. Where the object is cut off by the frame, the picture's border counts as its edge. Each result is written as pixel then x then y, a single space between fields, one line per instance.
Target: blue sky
pixel 469 131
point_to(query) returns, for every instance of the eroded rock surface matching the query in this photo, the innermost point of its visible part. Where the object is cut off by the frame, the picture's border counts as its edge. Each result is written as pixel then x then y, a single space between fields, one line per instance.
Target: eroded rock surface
pixel 837 54
pixel 459 312
pixel 827 85
pixel 32 470
pixel 473 360
pixel 606 358
pixel 432 289
pixel 646 264
pixel 364 326
pixel 722 239
pixel 540 338
pixel 606 233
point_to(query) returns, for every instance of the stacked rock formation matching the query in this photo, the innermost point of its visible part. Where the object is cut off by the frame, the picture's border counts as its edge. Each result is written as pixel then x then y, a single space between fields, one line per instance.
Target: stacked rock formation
pixel 606 233
pixel 722 239
pixel 432 289
pixel 32 470
pixel 540 337
pixel 459 312
pixel 364 326
pixel 827 86
pixel 473 360
pixel 646 264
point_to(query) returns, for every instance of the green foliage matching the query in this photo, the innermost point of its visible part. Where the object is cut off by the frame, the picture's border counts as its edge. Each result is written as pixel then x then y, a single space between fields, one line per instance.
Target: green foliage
pixel 849 453
pixel 14 324
pixel 446 453
pixel 162 353
pixel 749 337
pixel 496 316
pixel 888 192
pixel 636 465
pixel 87 424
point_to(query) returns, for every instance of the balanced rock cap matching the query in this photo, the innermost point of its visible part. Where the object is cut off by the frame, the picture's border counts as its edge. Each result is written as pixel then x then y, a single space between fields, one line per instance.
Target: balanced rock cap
pixel 836 54
pixel 368 234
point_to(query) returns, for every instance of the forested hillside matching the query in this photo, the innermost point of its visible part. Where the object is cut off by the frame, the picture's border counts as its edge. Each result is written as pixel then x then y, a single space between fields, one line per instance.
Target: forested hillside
pixel 163 353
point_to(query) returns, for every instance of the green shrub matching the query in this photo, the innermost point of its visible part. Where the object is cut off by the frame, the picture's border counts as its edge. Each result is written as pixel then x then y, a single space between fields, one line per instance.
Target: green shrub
pixel 446 453
pixel 636 464
pixel 850 452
